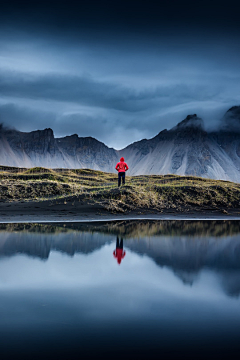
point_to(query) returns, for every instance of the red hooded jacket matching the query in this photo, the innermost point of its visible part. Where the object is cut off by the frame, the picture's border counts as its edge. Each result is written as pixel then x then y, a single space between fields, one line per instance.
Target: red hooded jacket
pixel 119 254
pixel 121 166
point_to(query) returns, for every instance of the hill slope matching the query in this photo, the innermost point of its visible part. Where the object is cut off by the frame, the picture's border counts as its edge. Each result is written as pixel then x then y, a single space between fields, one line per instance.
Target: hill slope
pixel 88 189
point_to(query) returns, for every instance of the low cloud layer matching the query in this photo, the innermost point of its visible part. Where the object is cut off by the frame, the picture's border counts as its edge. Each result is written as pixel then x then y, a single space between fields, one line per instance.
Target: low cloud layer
pixel 117 84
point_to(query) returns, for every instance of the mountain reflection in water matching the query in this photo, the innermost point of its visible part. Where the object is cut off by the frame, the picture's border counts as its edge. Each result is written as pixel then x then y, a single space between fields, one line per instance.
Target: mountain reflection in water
pixel 176 293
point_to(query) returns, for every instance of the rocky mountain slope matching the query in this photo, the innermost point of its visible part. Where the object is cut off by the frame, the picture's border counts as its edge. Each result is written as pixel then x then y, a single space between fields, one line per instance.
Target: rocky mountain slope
pixel 40 148
pixel 186 149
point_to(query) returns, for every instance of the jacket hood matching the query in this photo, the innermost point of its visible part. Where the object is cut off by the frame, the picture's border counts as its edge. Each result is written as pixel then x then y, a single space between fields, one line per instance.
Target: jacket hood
pixel 122 159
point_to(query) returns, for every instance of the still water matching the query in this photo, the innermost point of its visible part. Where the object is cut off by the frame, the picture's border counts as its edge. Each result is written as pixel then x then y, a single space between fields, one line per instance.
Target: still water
pixel 129 289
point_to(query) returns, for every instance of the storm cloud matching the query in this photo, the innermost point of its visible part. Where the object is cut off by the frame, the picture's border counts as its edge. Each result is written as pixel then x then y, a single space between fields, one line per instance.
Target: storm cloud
pixel 100 71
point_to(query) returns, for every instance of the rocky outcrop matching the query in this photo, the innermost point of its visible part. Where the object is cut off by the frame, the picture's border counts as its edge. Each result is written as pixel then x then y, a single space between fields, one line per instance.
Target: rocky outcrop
pixel 231 120
pixel 40 148
pixel 186 149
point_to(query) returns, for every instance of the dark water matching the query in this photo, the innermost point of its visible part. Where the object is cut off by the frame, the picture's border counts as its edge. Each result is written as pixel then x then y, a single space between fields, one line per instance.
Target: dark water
pixel 171 291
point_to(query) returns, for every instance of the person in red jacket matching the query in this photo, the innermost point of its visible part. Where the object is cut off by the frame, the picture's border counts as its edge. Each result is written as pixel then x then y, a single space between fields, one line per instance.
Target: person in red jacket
pixel 119 253
pixel 121 167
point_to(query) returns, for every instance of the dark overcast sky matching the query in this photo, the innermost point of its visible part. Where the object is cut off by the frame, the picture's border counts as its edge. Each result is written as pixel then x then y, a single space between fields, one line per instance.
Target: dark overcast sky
pixel 119 71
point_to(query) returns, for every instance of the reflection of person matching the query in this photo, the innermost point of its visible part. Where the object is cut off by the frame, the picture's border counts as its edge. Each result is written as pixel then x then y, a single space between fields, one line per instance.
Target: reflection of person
pixel 121 167
pixel 119 253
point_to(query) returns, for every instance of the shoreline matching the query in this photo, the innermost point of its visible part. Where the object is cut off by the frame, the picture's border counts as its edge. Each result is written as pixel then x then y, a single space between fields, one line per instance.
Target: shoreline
pixel 48 211
pixel 109 218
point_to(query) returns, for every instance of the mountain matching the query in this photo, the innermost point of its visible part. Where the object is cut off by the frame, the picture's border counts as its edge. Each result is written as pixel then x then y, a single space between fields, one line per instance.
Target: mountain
pixel 231 120
pixel 186 149
pixel 40 148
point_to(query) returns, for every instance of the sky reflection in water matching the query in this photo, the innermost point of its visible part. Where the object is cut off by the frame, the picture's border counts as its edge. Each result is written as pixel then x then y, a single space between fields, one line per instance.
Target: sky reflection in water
pixel 176 290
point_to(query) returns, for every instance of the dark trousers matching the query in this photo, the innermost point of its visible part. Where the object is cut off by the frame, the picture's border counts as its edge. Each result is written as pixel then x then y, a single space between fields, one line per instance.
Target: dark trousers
pixel 119 245
pixel 121 175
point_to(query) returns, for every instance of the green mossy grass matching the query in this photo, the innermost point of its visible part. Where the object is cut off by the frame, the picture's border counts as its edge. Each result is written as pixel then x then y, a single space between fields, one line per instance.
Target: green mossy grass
pixel 151 192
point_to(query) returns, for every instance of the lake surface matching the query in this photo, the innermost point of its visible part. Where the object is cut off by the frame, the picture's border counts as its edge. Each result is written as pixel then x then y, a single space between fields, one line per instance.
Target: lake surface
pixel 127 289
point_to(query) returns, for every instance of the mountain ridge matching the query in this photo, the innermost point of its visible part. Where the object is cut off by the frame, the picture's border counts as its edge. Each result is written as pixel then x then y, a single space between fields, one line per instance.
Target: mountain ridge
pixel 186 149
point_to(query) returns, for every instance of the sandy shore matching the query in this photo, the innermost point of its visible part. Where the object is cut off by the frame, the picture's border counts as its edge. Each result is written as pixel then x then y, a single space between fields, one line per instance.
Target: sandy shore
pixel 70 211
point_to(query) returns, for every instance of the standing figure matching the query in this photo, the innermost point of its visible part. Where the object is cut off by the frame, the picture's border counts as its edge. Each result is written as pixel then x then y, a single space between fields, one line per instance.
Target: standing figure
pixel 119 253
pixel 121 167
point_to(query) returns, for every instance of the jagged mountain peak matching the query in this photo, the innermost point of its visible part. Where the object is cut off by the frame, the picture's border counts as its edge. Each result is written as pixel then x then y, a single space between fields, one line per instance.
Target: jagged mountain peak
pixel 73 136
pixel 231 120
pixel 47 132
pixel 191 121
pixel 234 110
pixel 6 129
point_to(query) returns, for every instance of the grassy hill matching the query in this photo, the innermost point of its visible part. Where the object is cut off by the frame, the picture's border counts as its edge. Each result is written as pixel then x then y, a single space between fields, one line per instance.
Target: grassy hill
pixel 147 193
